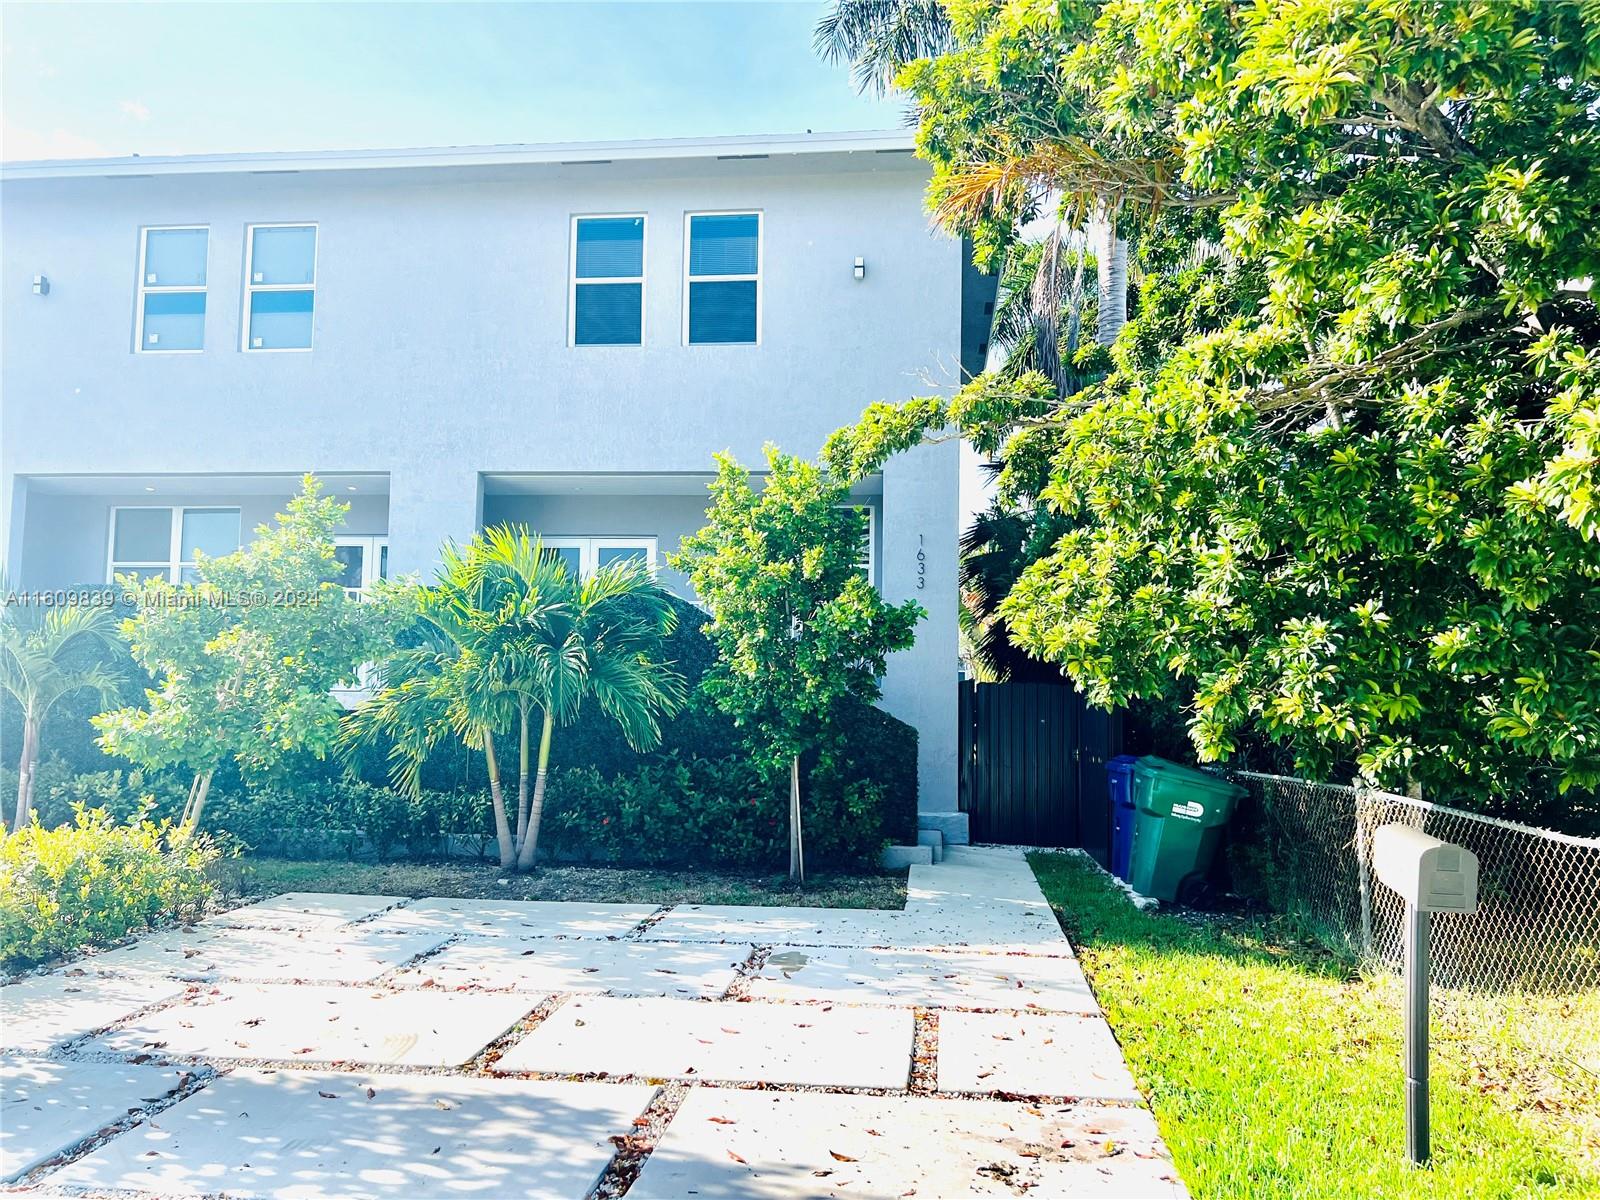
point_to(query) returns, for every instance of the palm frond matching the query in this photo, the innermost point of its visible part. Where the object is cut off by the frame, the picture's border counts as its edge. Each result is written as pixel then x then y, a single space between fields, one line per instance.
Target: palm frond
pixel 1069 171
pixel 878 37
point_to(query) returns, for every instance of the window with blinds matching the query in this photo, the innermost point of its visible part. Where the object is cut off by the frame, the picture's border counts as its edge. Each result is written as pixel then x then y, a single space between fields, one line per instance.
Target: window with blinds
pixel 280 286
pixel 607 300
pixel 723 302
pixel 172 289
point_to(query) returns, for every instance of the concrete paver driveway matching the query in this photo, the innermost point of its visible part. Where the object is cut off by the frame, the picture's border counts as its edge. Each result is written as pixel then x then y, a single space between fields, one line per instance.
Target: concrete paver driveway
pixel 345 1046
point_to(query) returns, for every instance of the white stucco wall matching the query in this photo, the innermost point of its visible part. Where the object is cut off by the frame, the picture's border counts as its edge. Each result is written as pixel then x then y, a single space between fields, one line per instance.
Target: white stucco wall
pixel 441 354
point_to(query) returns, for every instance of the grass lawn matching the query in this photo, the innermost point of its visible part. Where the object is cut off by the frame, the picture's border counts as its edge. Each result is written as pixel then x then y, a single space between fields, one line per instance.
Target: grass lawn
pixel 253 877
pixel 1274 1066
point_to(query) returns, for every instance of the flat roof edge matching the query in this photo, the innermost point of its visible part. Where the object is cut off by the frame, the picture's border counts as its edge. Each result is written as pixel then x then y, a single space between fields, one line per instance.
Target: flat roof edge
pixel 533 154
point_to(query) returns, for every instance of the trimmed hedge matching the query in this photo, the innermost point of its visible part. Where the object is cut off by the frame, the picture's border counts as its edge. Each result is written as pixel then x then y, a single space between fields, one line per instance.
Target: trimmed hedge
pixel 669 811
pixel 706 813
pixel 879 750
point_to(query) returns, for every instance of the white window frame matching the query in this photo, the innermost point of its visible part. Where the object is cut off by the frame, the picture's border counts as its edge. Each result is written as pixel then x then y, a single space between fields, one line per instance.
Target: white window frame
pixel 588 549
pixel 157 289
pixel 872 540
pixel 372 549
pixel 251 287
pixel 761 264
pixel 573 280
pixel 173 564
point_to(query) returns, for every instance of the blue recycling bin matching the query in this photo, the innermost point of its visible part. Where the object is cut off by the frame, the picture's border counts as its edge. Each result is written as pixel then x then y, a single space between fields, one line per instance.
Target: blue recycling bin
pixel 1119 781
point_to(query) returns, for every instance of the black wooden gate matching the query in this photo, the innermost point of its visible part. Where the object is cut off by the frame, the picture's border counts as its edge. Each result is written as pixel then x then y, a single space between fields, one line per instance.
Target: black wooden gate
pixel 1033 761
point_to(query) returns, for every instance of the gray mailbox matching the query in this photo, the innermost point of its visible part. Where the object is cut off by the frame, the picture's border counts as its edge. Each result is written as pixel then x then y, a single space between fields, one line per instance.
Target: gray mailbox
pixel 1430 876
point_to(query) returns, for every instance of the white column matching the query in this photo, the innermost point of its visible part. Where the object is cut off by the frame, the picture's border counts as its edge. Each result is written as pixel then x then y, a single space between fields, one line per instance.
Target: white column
pixel 921 494
pixel 13 519
pixel 425 508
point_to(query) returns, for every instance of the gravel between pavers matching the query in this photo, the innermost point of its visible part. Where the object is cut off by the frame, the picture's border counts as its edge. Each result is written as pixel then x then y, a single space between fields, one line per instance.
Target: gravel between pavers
pixel 633 1148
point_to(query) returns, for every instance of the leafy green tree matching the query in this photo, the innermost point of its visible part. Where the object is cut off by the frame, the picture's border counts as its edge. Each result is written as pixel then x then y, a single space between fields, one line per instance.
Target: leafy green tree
pixel 507 634
pixel 798 628
pixel 45 659
pixel 246 659
pixel 1338 489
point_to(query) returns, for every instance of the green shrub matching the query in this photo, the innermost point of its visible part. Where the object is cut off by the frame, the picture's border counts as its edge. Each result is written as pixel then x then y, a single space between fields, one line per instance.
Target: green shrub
pixel 344 817
pixel 701 813
pixel 879 750
pixel 126 795
pixel 93 882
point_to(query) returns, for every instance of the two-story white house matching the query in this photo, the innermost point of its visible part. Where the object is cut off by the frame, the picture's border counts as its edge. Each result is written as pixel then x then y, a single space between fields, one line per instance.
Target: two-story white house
pixel 560 335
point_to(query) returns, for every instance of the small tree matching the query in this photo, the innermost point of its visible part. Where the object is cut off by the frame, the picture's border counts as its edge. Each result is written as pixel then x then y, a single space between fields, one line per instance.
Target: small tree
pixel 246 659
pixel 42 661
pixel 798 628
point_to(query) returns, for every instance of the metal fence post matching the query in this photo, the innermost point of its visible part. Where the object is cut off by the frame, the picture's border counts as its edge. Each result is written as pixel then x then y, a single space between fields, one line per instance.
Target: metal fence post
pixel 1418 929
pixel 1364 873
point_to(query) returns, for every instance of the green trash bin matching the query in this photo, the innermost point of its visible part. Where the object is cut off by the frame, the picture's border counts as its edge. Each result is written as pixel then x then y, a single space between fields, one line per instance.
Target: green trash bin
pixel 1179 814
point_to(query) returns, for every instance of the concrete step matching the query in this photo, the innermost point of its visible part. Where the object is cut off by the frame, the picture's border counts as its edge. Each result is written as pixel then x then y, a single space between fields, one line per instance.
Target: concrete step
pixel 934 840
pixel 896 857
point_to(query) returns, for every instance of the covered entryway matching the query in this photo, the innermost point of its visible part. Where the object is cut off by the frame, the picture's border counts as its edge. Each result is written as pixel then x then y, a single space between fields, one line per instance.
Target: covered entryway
pixel 1033 759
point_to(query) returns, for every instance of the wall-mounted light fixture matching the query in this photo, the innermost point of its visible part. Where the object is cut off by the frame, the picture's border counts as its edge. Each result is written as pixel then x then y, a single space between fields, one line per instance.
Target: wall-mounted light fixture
pixel 41 284
pixel 861 268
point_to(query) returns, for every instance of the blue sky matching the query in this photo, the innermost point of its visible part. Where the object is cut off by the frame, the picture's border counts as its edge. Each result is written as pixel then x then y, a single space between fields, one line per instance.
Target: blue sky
pixel 173 78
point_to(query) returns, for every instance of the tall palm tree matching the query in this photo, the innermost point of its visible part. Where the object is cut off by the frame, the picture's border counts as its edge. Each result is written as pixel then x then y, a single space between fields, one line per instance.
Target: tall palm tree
pixel 39 666
pixel 878 37
pixel 1111 261
pixel 559 642
pixel 439 687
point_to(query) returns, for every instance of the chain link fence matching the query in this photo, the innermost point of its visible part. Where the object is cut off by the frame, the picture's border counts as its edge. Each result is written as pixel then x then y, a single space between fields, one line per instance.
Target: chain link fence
pixel 1306 848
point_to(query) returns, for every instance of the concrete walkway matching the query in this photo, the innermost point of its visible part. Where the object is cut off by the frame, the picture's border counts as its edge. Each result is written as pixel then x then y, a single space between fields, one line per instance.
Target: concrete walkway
pixel 342 1046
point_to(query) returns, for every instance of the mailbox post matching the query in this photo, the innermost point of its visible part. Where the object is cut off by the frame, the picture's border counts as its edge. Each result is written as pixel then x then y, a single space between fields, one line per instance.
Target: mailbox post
pixel 1430 876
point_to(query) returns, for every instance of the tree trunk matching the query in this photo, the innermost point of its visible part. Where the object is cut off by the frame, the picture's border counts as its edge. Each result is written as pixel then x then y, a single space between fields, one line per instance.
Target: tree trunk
pixel 202 788
pixel 502 828
pixel 522 778
pixel 188 801
pixel 797 850
pixel 30 751
pixel 530 843
pixel 1111 261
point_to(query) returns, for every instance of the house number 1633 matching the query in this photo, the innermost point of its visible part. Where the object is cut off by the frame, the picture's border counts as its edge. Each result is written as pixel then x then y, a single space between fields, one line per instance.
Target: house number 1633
pixel 922 563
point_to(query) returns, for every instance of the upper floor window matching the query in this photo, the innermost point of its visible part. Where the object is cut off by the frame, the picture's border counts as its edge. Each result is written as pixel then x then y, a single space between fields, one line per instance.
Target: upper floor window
pixel 280 286
pixel 584 556
pixel 607 301
pixel 163 541
pixel 723 304
pixel 172 289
